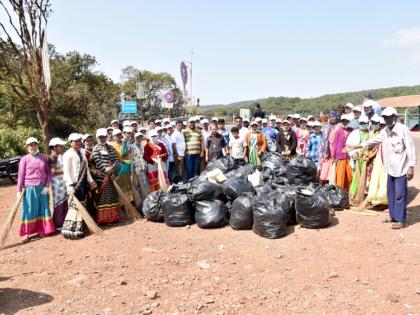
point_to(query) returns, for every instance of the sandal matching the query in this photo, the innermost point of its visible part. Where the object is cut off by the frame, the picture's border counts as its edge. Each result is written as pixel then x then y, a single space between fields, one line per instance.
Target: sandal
pixel 398 225
pixel 389 220
pixel 25 239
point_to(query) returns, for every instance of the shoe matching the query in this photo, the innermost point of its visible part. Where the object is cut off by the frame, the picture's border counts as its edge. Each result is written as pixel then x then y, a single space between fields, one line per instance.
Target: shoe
pixel 398 225
pixel 25 239
pixel 389 220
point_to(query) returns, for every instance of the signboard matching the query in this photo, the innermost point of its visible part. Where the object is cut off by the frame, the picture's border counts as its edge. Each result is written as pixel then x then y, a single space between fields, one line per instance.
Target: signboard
pixel 129 107
pixel 245 113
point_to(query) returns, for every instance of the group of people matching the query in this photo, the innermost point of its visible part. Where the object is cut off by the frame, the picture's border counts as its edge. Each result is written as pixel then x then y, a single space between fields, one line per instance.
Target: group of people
pixel 366 152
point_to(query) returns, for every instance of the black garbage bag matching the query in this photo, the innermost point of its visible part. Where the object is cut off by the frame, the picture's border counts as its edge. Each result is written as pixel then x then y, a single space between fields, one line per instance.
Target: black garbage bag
pixel 269 220
pixel 272 161
pixel 301 171
pixel 262 192
pixel 241 215
pixel 284 197
pixel 152 206
pixel 205 191
pixel 210 214
pixel 337 197
pixel 181 188
pixel 177 210
pixel 242 171
pixel 312 208
pixel 237 186
pixel 225 164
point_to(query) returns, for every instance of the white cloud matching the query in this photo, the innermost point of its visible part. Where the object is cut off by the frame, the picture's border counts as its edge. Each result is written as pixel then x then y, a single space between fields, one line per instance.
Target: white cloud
pixel 404 37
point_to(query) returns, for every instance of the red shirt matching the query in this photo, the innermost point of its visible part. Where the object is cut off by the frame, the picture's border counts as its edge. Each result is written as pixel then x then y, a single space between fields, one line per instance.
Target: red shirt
pixel 151 151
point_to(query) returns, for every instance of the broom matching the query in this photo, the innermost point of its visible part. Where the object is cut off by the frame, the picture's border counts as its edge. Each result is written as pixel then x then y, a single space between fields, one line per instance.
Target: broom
pixel 161 176
pixel 9 221
pixel 90 223
pixel 132 213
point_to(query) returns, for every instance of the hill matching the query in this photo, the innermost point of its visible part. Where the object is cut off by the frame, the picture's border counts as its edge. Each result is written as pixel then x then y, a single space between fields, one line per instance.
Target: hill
pixel 306 106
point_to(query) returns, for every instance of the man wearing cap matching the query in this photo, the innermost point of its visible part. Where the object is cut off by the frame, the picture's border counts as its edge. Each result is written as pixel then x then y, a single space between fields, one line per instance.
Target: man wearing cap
pixel 105 162
pixel 214 120
pixel 296 122
pixel 128 135
pixel 375 105
pixel 115 124
pixel 152 124
pixel 58 186
pixel 34 176
pixel 314 142
pixel 354 123
pixel 78 180
pixel 400 159
pixel 194 149
pixel 368 109
pixel 179 147
pixel 278 126
pixel 245 123
pixel 258 120
pixel 134 125
pixel 158 123
pixel 348 110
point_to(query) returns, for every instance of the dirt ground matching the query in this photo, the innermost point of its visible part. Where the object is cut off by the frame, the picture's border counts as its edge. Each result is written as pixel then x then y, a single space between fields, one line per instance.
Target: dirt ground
pixel 356 266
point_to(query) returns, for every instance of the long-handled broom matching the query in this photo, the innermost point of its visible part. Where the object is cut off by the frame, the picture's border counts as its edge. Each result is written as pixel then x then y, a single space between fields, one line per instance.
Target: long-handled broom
pixel 131 211
pixel 161 175
pixel 9 221
pixel 90 223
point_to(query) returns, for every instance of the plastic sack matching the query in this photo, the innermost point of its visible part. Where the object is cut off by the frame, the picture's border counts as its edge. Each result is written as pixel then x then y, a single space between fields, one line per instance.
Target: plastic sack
pixel 210 214
pixel 255 179
pixel 337 197
pixel 262 191
pixel 177 210
pixel 312 208
pixel 242 171
pixel 225 164
pixel 241 215
pixel 301 171
pixel 152 206
pixel 284 198
pixel 181 188
pixel 236 186
pixel 204 191
pixel 269 220
pixel 272 161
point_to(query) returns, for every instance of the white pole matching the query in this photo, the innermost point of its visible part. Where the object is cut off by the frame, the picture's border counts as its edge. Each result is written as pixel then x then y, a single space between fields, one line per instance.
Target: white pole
pixel 191 86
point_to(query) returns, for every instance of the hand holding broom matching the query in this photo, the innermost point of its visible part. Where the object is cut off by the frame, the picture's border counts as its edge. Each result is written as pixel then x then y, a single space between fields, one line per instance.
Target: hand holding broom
pixel 9 221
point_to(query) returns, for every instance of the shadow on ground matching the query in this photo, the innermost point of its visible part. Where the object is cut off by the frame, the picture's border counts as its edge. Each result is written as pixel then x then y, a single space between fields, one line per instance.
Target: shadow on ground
pixel 14 300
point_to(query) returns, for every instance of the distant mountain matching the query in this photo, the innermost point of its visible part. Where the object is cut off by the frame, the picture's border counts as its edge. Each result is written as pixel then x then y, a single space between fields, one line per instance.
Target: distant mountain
pixel 305 106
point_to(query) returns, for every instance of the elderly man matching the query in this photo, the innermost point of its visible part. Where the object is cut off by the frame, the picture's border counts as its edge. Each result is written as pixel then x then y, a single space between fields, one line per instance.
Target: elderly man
pixel 194 149
pixel 399 160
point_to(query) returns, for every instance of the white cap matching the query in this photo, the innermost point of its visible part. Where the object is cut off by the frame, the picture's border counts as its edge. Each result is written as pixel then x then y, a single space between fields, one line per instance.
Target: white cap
pixel 126 123
pixel 205 121
pixel 363 120
pixel 142 129
pixel 345 117
pixel 31 140
pixel 296 116
pixel 170 126
pixel 289 116
pixel 357 109
pixel 127 129
pixel 153 133
pixel 75 136
pixel 158 121
pixel 102 132
pixel 166 120
pixel 286 122
pixel 115 121
pixel 138 134
pixel 349 105
pixel 116 132
pixel 264 121
pixel 191 119
pixel 278 120
pixel 273 117
pixel 85 136
pixel 215 118
pixel 253 123
pixel 158 129
pixel 303 118
pixel 185 123
pixel 310 117
pixel 133 123
pixel 389 111
pixel 56 141
pixel 108 128
pixel 368 103
pixel 382 121
pixel 316 123
pixel 245 119
pixel 376 118
pixel 258 119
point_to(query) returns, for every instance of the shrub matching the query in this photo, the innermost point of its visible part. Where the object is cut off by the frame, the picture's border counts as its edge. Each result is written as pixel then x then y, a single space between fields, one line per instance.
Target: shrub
pixel 12 141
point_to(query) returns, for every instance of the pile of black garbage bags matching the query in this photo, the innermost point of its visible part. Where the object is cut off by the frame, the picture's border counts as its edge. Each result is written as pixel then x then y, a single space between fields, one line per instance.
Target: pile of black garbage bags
pixel 289 194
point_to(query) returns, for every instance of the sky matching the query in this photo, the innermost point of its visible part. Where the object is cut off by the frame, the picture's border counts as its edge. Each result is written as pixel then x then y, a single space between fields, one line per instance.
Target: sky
pixel 244 50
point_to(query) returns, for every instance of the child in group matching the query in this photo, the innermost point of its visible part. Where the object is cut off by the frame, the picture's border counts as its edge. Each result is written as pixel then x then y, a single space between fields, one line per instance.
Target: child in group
pixel 237 147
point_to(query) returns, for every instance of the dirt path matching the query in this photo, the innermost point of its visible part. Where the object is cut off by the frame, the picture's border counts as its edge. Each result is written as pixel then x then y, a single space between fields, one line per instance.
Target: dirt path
pixel 356 266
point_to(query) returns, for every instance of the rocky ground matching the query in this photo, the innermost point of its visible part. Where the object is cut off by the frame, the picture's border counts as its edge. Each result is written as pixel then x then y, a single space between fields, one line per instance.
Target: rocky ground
pixel 356 266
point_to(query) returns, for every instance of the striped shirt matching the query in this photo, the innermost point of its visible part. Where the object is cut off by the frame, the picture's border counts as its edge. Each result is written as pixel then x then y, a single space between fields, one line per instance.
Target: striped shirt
pixel 193 141
pixel 103 157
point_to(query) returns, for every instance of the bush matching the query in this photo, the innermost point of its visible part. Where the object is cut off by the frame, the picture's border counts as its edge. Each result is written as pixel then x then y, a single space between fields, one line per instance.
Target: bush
pixel 12 141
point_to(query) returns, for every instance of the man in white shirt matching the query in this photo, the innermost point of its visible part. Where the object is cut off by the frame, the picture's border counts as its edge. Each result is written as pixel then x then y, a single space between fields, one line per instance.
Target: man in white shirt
pixel 399 161
pixel 242 130
pixel 179 148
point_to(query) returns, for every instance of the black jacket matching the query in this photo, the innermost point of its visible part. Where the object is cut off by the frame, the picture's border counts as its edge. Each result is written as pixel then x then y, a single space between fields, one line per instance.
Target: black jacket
pixel 290 140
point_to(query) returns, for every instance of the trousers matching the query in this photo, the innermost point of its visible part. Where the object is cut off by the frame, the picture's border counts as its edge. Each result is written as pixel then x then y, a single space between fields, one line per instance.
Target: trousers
pixel 397 197
pixel 192 165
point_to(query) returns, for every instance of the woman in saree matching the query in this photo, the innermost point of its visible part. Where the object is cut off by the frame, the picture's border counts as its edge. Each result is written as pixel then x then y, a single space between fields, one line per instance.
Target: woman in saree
pixel 34 176
pixel 328 135
pixel 87 150
pixel 154 153
pixel 57 182
pixel 105 163
pixel 139 178
pixel 256 144
pixel 123 152
pixel 78 182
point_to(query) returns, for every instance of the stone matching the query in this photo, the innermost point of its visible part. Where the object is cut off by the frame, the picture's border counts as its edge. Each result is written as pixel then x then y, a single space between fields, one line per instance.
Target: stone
pixel 209 300
pixel 154 304
pixel 392 297
pixel 333 275
pixel 123 282
pixel 151 294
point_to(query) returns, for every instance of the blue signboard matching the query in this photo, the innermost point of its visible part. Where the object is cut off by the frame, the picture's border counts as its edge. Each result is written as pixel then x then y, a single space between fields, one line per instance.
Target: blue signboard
pixel 129 107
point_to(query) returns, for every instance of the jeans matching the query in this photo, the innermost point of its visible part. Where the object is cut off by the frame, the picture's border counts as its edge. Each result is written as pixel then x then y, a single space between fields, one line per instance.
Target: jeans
pixel 192 165
pixel 397 198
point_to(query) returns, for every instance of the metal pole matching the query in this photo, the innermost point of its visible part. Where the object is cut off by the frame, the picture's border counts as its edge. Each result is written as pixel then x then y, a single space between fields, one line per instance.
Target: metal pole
pixel 191 86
